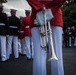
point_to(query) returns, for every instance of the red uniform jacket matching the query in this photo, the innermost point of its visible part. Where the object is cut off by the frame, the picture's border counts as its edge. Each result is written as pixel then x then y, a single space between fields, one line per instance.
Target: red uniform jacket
pixel 25 25
pixel 54 5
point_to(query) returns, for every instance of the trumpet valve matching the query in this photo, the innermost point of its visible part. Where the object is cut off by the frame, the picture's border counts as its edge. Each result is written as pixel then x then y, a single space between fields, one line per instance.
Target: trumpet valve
pixel 43 33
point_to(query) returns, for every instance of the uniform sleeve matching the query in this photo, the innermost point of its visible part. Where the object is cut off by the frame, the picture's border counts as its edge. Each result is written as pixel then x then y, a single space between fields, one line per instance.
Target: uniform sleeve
pixel 58 2
pixel 55 5
pixel 6 20
pixel 22 25
pixel 35 4
pixel 6 24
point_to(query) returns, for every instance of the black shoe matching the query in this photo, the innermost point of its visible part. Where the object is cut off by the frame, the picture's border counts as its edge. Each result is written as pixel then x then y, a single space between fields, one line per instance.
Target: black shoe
pixel 16 58
pixel 22 54
pixel 28 58
pixel 5 61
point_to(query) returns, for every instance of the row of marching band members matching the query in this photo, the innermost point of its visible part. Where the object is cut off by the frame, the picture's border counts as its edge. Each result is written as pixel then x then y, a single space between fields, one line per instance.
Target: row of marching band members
pixel 10 31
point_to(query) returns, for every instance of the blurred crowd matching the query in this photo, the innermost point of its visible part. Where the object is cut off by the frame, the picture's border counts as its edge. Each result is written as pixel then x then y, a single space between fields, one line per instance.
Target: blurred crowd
pixel 69 37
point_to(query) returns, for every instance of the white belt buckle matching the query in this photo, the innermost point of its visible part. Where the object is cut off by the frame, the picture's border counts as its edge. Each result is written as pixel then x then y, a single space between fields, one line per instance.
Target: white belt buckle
pixel 27 26
pixel 12 26
pixel 21 31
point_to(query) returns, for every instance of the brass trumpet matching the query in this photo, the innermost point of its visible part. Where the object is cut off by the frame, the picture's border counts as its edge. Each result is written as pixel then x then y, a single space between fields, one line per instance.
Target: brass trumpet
pixel 45 33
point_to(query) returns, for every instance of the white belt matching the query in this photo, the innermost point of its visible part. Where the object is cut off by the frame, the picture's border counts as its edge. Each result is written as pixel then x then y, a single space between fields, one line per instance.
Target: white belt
pixel 2 24
pixel 27 26
pixel 12 26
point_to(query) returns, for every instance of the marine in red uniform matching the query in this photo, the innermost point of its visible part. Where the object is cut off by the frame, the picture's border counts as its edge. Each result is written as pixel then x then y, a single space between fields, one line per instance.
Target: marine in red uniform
pixel 27 33
pixel 54 5
pixel 56 25
pixel 21 42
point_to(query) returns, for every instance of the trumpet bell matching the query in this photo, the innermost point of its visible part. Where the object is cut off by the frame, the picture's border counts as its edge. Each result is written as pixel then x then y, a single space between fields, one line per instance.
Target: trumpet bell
pixel 53 55
pixel 53 58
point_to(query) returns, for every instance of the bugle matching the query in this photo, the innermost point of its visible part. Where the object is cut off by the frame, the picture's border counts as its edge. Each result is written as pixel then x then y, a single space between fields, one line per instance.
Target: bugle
pixel 45 36
pixel 43 20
